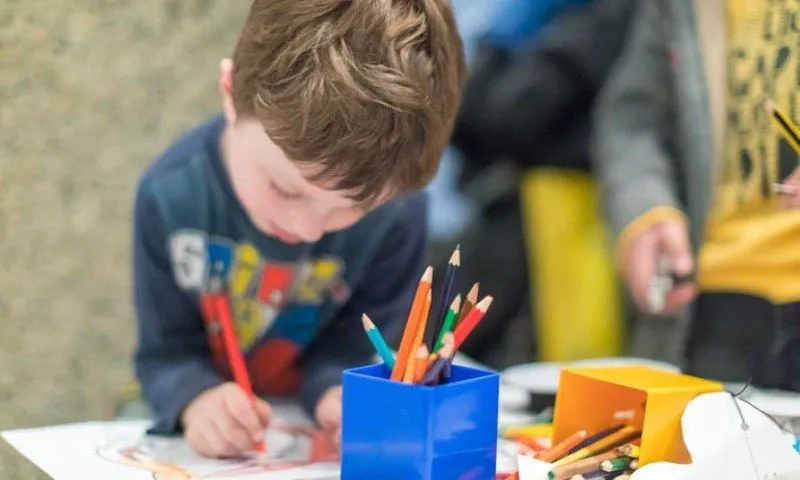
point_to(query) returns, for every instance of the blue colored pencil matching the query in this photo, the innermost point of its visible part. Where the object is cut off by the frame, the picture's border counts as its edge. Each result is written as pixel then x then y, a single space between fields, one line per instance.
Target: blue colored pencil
pixel 447 290
pixel 378 342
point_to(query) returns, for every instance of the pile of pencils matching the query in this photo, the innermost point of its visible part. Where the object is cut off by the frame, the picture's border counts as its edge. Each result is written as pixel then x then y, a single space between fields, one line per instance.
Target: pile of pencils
pixel 422 363
pixel 610 454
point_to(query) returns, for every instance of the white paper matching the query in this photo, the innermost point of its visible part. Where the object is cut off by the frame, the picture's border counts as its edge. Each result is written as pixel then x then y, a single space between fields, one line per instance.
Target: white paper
pixel 122 451
pixel 720 448
pixel 532 469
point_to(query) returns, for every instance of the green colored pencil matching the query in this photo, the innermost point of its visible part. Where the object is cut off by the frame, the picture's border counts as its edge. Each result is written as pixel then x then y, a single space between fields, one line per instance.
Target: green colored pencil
pixel 449 322
pixel 378 342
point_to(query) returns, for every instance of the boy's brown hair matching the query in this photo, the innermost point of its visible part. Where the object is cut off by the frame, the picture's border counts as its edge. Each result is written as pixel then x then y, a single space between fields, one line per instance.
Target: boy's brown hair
pixel 366 89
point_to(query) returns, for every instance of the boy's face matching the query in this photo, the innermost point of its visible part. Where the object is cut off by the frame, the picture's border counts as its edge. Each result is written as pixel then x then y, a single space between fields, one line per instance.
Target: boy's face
pixel 274 190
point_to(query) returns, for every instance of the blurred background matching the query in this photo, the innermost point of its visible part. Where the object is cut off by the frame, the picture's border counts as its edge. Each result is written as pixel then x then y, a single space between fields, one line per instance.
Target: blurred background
pixel 90 92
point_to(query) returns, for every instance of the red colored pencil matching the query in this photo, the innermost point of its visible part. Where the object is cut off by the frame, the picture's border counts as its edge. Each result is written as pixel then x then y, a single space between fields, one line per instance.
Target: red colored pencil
pixel 235 356
pixel 471 321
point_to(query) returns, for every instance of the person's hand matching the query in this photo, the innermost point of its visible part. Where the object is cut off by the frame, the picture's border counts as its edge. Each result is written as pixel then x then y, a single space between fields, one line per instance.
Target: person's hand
pixel 642 256
pixel 225 422
pixel 329 413
pixel 790 191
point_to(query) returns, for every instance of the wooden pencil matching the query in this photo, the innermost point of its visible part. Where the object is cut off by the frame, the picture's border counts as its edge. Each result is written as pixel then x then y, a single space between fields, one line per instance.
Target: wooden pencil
pixel 407 343
pixel 623 435
pixel 590 464
pixel 597 436
pixel 377 341
pixel 235 355
pixel 447 288
pixel 445 355
pixel 469 302
pixel 449 322
pixel 562 448
pixel 474 317
pixel 411 368
pixel 421 364
pixel 784 124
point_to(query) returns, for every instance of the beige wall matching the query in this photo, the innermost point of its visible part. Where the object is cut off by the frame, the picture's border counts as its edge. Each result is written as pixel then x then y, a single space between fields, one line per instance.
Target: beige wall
pixel 90 91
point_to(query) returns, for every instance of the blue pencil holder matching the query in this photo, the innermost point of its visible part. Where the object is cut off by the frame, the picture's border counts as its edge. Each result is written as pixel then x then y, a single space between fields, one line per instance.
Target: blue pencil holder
pixel 392 430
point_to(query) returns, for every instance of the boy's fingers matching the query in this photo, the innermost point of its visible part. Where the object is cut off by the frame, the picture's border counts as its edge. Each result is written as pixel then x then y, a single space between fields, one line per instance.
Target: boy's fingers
pixel 242 409
pixel 263 411
pixel 233 433
pixel 216 442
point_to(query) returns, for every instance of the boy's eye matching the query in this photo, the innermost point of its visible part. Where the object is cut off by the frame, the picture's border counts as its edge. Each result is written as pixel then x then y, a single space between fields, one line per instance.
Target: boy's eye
pixel 284 193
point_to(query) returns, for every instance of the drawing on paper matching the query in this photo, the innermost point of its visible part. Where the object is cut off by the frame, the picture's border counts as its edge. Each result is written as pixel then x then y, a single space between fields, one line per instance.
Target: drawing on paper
pixel 300 450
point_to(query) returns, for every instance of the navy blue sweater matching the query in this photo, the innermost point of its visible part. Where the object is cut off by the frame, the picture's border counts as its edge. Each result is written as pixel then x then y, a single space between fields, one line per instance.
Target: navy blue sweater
pixel 296 308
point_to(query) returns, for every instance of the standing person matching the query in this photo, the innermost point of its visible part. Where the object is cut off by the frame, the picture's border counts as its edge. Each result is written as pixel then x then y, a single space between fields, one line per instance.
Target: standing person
pixel 687 158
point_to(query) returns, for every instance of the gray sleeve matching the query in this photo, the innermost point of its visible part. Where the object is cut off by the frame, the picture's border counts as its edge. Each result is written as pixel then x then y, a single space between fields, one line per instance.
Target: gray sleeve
pixel 632 122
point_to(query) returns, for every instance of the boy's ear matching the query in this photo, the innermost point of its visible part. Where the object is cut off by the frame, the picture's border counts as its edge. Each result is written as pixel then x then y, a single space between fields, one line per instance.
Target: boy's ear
pixel 226 89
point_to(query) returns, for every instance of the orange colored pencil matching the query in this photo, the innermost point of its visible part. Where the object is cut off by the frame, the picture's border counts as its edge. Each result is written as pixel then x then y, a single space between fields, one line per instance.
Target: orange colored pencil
pixel 419 339
pixel 469 302
pixel 474 317
pixel 407 343
pixel 559 450
pixel 421 365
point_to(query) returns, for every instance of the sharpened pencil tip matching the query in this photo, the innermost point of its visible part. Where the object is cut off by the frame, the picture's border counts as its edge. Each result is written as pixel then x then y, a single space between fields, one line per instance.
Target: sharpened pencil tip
pixel 365 320
pixel 770 105
pixel 472 296
pixel 428 275
pixel 456 305
pixel 484 304
pixel 455 258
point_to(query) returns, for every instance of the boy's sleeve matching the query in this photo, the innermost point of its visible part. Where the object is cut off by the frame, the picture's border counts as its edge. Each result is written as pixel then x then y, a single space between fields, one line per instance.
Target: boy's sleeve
pixel 631 124
pixel 385 294
pixel 172 357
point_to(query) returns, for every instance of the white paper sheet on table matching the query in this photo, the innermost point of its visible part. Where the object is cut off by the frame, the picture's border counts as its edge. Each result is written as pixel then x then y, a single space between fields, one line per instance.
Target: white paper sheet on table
pixel 121 450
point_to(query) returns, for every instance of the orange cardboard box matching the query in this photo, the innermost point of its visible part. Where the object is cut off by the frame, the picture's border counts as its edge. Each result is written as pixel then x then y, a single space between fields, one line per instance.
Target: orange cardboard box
pixel 652 400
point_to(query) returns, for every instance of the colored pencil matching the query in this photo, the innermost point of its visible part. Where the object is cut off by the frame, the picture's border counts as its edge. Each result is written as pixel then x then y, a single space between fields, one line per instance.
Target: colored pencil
pixel 421 364
pixel 586 465
pixel 411 368
pixel 629 450
pixel 785 125
pixel 474 317
pixel 444 301
pixel 449 322
pixel 561 449
pixel 622 435
pixel 445 354
pixel 407 343
pixel 597 436
pixel 235 355
pixel 469 302
pixel 377 341
pixel 615 464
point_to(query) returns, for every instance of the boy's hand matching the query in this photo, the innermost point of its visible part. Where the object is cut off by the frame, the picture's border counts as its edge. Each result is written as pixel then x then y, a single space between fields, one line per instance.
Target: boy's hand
pixel 790 196
pixel 641 259
pixel 224 422
pixel 329 413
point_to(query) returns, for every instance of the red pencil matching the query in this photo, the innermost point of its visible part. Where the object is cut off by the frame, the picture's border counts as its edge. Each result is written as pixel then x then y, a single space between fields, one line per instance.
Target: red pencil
pixel 471 321
pixel 235 356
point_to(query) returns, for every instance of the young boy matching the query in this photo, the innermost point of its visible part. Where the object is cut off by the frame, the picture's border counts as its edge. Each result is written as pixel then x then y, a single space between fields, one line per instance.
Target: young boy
pixel 688 158
pixel 301 203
